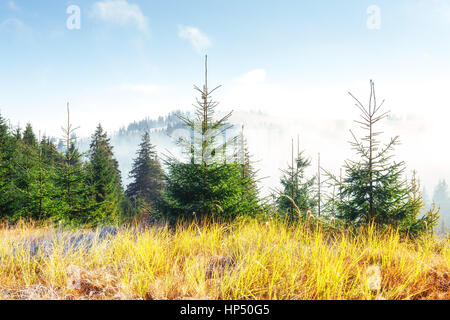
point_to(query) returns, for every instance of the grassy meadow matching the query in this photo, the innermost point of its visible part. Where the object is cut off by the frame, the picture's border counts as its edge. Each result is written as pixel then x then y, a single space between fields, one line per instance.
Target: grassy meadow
pixel 247 259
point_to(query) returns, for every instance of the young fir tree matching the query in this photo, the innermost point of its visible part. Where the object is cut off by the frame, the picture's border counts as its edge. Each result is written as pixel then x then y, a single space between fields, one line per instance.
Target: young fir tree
pixel 71 180
pixel 28 137
pixel 373 189
pixel 429 219
pixel 244 159
pixel 209 184
pixel 146 188
pixel 297 190
pixel 104 180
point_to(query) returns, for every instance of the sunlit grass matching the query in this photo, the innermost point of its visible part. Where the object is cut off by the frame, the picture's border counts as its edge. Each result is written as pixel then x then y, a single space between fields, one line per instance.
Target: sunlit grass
pixel 243 260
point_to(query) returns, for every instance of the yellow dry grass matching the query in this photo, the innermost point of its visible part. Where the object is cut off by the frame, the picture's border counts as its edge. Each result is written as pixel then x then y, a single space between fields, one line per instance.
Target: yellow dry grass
pixel 243 260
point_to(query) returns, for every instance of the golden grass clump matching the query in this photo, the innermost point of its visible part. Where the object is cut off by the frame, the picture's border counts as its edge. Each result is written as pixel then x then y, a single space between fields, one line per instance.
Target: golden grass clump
pixel 242 260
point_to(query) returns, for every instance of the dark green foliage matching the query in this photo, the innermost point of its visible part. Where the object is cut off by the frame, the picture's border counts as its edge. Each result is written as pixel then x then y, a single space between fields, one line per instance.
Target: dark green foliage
pixel 147 186
pixel 50 154
pixel 28 137
pixel 416 222
pixel 38 182
pixel 46 195
pixel 104 181
pixel 250 190
pixel 210 183
pixel 72 181
pixel 26 175
pixel 297 190
pixel 217 190
pixel 74 189
pixel 28 190
pixel 373 188
pixel 7 154
pixel 243 158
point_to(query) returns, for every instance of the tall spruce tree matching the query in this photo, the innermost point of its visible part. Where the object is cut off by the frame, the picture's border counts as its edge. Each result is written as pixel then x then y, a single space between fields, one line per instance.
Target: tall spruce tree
pixel 209 184
pixel 26 175
pixel 104 181
pixel 373 188
pixel 13 174
pixel 146 187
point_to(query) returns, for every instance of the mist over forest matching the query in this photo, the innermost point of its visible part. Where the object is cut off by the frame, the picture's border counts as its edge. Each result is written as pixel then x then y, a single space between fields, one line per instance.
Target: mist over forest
pixel 270 144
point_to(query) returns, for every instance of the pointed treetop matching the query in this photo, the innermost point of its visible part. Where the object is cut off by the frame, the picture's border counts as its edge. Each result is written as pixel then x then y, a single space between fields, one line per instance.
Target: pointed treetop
pixel 206 72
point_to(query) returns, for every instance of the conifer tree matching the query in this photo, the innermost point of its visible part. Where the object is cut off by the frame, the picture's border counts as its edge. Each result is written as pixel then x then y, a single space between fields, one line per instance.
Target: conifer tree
pixel 6 170
pixel 26 175
pixel 209 184
pixel 74 188
pixel 45 193
pixel 248 173
pixel 203 147
pixel 146 188
pixel 28 137
pixel 417 223
pixel 13 202
pixel 297 190
pixel 50 154
pixel 373 188
pixel 244 158
pixel 104 180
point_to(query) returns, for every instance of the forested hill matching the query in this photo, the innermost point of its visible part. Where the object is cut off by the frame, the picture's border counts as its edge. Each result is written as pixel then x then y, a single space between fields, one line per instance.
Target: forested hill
pixel 127 139
pixel 163 124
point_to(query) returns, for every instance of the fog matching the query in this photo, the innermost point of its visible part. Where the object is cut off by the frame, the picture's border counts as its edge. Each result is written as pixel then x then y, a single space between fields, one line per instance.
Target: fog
pixel 270 142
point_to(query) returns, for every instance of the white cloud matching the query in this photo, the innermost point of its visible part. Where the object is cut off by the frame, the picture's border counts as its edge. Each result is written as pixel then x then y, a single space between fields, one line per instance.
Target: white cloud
pixel 122 13
pixel 198 39
pixel 13 6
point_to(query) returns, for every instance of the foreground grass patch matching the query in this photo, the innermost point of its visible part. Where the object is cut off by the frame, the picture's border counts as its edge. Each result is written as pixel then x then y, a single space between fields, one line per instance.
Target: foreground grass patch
pixel 242 260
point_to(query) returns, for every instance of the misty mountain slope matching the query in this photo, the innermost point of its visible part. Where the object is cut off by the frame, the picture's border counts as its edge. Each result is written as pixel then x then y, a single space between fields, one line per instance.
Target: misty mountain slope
pixel 269 141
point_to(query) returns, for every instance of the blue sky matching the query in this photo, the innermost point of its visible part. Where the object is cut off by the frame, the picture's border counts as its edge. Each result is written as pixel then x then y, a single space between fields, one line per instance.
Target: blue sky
pixel 293 59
